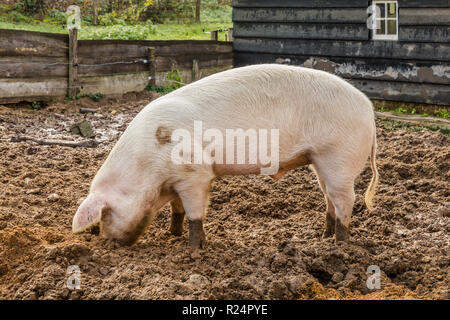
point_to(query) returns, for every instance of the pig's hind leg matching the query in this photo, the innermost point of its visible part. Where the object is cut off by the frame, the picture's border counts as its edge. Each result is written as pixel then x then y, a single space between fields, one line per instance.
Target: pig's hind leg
pixel 177 217
pixel 338 176
pixel 330 219
pixel 194 197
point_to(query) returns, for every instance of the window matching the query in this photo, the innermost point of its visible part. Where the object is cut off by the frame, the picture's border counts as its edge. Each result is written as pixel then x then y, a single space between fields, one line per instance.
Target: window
pixel 385 14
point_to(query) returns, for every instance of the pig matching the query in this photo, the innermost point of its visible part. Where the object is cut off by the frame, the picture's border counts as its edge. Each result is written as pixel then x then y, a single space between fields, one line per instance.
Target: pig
pixel 322 121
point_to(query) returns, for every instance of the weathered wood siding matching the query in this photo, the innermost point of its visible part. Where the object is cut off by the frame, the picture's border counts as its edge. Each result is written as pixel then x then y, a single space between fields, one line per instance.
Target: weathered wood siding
pixel 332 35
pixel 34 65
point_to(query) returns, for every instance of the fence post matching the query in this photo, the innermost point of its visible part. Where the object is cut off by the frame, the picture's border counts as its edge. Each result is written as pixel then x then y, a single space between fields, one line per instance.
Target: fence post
pixel 214 35
pixel 195 70
pixel 152 66
pixel 73 62
pixel 230 34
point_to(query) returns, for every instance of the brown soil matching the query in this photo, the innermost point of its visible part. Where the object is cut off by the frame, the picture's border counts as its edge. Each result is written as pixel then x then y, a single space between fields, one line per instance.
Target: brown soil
pixel 264 236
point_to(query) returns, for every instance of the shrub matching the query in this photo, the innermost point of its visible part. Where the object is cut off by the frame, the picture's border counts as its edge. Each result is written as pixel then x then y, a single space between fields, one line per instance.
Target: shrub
pixel 30 6
pixel 15 16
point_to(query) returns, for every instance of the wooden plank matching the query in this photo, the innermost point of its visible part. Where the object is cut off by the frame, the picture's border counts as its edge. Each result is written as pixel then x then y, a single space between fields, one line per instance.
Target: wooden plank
pixel 424 33
pixel 300 4
pixel 302 31
pixel 166 63
pixel 406 92
pixel 372 69
pixel 423 4
pixel 94 66
pixel 31 89
pixel 153 43
pixel 26 43
pixel 24 34
pixel 114 84
pixel 424 16
pixel 87 49
pixel 104 65
pixel 96 48
pixel 374 49
pixel 29 67
pixel 186 74
pixel 282 15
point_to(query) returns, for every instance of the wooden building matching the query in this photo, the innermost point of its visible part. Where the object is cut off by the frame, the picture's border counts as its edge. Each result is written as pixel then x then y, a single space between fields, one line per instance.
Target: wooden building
pixel 391 50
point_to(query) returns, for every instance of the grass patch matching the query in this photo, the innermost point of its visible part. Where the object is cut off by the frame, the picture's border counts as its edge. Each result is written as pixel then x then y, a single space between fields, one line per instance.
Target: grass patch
pixel 394 125
pixel 141 31
pixel 213 17
pixel 409 108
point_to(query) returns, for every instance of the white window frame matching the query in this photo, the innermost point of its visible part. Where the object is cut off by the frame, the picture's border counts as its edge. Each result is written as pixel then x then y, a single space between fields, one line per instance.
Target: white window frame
pixel 376 36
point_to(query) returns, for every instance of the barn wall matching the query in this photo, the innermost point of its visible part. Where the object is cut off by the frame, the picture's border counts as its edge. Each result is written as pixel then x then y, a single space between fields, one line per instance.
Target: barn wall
pixel 34 65
pixel 332 35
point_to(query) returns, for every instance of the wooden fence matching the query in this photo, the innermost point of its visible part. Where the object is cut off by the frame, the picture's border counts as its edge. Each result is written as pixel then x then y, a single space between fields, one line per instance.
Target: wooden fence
pixel 35 66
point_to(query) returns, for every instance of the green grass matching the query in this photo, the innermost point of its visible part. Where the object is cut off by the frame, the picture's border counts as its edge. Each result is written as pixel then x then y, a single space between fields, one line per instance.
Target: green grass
pixel 167 31
pixel 440 113
pixel 212 19
pixel 393 125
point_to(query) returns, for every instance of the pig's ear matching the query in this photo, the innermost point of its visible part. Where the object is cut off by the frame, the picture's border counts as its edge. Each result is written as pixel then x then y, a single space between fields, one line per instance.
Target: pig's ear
pixel 88 216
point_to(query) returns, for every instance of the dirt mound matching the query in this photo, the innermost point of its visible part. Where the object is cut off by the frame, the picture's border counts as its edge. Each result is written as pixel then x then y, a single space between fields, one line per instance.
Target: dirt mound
pixel 264 236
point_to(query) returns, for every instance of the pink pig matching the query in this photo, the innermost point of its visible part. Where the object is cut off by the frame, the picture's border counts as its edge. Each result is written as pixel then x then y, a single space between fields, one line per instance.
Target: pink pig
pixel 320 120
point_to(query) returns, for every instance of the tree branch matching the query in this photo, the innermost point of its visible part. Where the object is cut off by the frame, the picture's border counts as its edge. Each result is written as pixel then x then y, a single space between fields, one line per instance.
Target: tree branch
pixel 73 144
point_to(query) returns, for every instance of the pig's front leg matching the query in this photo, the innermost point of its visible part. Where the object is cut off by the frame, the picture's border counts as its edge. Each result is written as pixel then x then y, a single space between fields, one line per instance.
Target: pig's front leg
pixel 177 217
pixel 197 238
pixel 194 197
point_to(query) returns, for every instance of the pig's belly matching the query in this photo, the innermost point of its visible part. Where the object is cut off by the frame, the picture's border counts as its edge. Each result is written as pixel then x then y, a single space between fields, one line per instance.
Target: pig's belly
pixel 285 165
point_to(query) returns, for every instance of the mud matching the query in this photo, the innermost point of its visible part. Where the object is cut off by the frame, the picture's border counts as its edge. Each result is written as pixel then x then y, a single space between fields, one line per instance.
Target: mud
pixel 263 236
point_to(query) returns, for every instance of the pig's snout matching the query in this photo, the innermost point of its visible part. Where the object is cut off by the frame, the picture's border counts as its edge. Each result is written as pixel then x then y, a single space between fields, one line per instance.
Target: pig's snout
pixel 125 229
pixel 88 214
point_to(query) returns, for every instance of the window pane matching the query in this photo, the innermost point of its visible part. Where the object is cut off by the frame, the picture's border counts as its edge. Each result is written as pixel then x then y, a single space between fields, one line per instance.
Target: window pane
pixel 392 26
pixel 381 6
pixel 392 11
pixel 382 26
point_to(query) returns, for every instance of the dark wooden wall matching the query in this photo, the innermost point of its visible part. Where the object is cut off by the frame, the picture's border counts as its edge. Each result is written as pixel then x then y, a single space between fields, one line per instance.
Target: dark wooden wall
pixel 332 35
pixel 34 65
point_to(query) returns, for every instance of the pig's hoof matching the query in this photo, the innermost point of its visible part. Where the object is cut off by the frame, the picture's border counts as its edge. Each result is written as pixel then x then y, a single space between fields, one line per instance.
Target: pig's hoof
pixel 197 238
pixel 176 232
pixel 197 243
pixel 329 226
pixel 342 233
pixel 327 233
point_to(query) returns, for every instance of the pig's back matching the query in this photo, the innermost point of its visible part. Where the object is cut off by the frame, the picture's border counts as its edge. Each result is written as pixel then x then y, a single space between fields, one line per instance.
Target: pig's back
pixel 309 107
pixel 274 87
pixel 268 95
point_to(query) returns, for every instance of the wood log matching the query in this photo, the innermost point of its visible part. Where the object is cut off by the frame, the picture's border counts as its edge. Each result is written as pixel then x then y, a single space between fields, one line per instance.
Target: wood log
pixel 73 144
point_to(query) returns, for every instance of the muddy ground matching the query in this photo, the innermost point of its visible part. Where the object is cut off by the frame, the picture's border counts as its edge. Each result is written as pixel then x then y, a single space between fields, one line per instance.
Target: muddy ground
pixel 264 236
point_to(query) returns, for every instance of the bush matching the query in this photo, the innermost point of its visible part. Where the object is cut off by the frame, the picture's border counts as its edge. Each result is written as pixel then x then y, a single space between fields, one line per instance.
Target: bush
pixel 56 17
pixel 123 32
pixel 31 6
pixel 174 80
pixel 175 10
pixel 15 16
